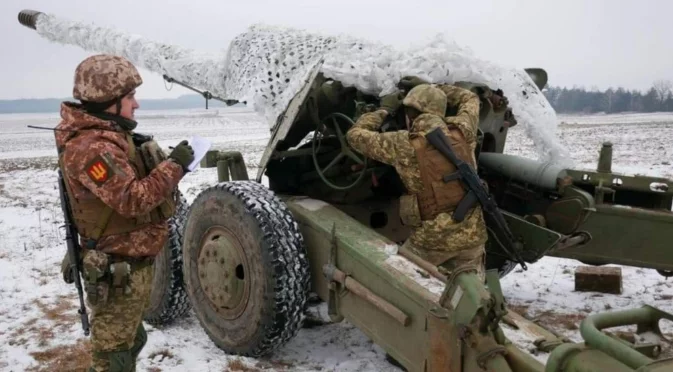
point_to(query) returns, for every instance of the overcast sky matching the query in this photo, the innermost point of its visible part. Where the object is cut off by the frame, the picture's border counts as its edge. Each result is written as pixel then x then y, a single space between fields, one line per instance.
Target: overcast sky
pixel 579 42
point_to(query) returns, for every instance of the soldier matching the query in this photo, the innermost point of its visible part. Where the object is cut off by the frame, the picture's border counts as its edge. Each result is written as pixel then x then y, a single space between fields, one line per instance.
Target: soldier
pixel 428 206
pixel 116 205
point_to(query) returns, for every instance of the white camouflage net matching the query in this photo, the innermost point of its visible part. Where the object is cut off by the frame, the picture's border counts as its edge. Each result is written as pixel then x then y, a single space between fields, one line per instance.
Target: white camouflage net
pixel 266 66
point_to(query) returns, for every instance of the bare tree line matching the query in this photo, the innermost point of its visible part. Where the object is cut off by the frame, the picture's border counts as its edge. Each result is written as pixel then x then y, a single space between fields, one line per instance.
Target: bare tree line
pixel 579 100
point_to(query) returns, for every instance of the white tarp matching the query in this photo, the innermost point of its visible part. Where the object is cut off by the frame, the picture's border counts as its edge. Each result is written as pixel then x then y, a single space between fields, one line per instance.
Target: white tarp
pixel 267 65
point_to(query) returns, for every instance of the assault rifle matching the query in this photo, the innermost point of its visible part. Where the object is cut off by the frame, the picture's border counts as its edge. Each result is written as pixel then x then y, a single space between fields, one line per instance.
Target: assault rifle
pixel 476 193
pixel 71 238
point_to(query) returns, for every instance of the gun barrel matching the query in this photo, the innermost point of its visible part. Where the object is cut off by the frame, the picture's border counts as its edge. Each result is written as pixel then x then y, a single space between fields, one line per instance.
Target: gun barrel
pixel 545 175
pixel 193 68
pixel 29 18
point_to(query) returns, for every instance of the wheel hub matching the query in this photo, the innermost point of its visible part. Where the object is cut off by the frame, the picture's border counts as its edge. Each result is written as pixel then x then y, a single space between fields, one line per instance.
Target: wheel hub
pixel 222 272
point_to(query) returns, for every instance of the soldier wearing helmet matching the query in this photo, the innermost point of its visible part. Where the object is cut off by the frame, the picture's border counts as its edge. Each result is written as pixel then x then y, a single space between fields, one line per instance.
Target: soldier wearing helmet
pixel 120 204
pixel 429 202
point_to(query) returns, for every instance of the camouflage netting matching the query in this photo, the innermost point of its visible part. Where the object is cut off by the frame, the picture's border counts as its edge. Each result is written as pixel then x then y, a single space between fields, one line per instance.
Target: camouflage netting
pixel 266 66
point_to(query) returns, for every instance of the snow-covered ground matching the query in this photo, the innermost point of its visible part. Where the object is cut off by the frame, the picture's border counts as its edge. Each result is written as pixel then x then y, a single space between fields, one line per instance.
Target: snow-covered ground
pixel 39 327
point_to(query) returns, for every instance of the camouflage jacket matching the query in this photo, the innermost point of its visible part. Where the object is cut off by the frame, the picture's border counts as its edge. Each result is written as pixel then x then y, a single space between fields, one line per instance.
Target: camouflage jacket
pixel 84 138
pixel 442 238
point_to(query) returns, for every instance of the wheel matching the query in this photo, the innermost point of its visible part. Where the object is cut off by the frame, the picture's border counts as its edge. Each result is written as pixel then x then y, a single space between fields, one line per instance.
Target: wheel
pixel 245 267
pixel 344 152
pixel 168 299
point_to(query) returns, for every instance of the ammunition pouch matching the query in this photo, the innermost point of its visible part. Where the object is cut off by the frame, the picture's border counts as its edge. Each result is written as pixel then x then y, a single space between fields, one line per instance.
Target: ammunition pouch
pixel 120 273
pixel 95 272
pixel 107 275
pixel 94 219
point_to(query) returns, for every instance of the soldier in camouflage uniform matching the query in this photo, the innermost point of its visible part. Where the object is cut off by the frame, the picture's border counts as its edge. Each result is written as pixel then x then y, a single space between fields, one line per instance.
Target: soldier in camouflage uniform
pixel 428 205
pixel 114 203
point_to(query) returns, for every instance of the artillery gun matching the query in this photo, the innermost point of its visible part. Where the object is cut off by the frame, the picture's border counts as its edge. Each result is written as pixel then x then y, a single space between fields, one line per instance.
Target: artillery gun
pixel 328 223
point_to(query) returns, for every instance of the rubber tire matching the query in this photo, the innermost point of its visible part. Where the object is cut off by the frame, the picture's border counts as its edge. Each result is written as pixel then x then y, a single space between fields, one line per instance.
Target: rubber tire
pixel 278 270
pixel 168 299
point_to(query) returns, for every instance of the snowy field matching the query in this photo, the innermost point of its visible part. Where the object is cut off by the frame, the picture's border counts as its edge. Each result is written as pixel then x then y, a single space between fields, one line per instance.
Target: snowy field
pixel 39 327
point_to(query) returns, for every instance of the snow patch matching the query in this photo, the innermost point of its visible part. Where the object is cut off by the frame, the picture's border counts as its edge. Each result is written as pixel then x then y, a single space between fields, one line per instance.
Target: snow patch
pixel 267 65
pixel 391 249
pixel 433 285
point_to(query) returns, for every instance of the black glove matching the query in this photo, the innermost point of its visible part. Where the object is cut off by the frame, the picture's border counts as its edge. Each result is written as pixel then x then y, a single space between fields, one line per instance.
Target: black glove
pixel 182 154
pixel 408 82
pixel 392 102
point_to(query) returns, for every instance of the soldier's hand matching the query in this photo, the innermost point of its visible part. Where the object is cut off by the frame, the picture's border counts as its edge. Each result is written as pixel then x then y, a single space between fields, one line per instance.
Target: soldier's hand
pixel 391 102
pixel 408 82
pixel 67 269
pixel 499 101
pixel 182 154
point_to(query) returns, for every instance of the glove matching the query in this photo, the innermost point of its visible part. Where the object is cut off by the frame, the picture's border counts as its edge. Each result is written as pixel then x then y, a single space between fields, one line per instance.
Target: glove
pixel 182 154
pixel 67 269
pixel 392 102
pixel 499 101
pixel 408 82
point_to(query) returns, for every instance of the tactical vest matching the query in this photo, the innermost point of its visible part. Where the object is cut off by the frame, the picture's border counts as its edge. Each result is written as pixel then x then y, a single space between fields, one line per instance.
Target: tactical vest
pixel 436 195
pixel 95 219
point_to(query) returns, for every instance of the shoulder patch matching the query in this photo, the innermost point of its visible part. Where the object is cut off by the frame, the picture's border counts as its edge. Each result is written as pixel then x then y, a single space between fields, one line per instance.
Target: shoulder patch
pixel 98 170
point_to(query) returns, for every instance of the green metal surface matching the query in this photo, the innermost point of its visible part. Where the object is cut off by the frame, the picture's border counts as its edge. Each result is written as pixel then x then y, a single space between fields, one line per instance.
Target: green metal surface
pixel 644 238
pixel 361 254
pixel 646 318
pixel 537 240
pixel 579 358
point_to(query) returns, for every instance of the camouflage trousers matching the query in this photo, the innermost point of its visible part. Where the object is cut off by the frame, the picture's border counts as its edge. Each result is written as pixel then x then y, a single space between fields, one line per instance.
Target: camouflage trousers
pixel 471 258
pixel 117 332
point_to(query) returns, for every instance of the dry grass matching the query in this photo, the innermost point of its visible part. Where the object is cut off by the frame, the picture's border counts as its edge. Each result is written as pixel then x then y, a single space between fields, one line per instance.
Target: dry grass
pixel 162 354
pixel 236 365
pixel 62 312
pixel 61 317
pixel 519 309
pixel 74 358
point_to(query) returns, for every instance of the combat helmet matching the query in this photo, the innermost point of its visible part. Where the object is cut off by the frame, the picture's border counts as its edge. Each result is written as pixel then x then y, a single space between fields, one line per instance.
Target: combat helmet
pixel 427 99
pixel 105 78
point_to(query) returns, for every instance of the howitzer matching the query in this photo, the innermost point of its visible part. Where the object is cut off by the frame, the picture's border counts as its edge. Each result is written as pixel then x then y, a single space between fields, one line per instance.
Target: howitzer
pixel 251 253
pixel 71 236
pixel 476 193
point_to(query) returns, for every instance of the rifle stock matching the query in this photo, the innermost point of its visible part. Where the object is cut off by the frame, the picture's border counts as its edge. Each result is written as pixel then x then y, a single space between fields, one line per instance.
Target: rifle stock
pixel 469 177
